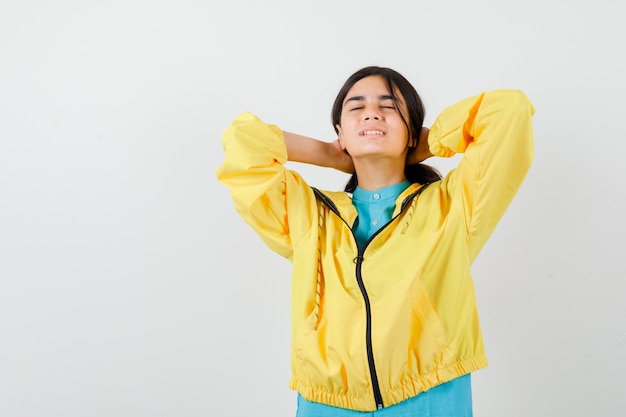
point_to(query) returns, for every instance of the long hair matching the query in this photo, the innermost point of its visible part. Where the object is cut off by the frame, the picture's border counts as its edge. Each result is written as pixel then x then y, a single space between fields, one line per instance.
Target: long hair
pixel 414 120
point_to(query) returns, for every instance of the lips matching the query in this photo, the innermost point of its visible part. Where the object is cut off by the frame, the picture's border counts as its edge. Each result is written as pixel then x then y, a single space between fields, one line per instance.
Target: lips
pixel 369 131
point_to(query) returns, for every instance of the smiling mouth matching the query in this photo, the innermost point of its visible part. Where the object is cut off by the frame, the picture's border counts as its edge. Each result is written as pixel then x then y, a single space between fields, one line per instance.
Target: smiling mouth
pixel 372 132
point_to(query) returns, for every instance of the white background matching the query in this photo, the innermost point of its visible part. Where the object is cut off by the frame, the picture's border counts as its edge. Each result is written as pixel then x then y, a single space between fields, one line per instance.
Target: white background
pixel 130 287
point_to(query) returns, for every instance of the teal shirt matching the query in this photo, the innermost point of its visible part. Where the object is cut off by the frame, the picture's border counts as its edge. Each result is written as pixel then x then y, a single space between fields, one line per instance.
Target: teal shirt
pixel 454 398
pixel 375 209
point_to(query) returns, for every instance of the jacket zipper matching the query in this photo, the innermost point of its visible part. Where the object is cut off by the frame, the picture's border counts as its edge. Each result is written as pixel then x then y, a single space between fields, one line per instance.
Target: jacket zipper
pixel 378 398
pixel 368 330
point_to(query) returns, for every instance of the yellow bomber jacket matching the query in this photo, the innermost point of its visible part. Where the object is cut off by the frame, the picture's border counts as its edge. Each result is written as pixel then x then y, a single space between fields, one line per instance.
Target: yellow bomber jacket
pixel 376 326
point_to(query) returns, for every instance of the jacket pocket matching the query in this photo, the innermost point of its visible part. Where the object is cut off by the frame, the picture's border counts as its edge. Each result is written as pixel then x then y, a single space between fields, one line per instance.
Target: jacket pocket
pixel 428 348
pixel 305 336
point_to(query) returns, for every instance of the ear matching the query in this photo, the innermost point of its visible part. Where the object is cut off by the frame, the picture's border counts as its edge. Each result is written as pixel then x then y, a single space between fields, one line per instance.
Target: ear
pixel 340 137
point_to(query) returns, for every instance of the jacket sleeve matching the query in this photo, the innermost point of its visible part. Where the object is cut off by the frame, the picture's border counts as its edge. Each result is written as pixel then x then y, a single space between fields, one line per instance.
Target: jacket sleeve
pixel 494 131
pixel 253 170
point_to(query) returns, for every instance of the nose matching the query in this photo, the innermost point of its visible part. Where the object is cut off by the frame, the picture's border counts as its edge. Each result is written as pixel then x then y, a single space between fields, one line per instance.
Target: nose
pixel 371 114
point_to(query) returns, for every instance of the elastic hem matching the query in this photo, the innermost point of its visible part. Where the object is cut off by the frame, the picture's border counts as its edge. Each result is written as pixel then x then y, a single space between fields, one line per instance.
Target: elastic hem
pixel 406 389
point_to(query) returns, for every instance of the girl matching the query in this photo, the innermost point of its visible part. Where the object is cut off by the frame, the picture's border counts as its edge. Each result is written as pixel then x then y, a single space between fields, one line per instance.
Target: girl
pixel 384 316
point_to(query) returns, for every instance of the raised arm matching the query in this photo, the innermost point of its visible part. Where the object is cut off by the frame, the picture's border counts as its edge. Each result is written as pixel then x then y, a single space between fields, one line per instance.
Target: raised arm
pixel 316 152
pixel 422 151
pixel 494 131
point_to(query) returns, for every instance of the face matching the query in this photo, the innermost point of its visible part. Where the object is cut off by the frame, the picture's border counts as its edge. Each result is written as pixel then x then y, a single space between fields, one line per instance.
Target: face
pixel 371 125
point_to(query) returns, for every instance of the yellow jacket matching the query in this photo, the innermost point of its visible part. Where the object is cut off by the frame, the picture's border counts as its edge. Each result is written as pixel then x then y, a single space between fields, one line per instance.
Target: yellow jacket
pixel 373 328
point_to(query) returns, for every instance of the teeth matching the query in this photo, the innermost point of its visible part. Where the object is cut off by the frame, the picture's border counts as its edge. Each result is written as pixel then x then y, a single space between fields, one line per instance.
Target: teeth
pixel 372 132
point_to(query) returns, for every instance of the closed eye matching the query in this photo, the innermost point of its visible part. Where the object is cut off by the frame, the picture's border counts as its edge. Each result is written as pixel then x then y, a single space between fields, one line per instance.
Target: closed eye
pixel 387 104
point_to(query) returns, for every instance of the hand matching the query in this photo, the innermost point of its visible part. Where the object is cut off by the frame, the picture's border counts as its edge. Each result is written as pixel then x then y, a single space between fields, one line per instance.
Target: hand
pixel 422 151
pixel 342 161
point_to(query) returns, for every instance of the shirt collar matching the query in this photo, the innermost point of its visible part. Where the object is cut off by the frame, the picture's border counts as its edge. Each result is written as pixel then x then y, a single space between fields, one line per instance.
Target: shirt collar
pixel 385 193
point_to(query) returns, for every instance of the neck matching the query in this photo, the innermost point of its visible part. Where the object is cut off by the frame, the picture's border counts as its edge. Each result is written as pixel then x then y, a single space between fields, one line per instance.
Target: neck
pixel 376 176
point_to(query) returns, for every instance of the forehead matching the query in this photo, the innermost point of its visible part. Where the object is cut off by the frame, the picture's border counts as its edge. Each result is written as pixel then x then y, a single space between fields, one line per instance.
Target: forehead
pixel 372 83
pixel 371 87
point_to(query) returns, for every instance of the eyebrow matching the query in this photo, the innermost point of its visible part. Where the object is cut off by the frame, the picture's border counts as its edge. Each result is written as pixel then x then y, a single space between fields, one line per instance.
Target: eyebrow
pixel 362 98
